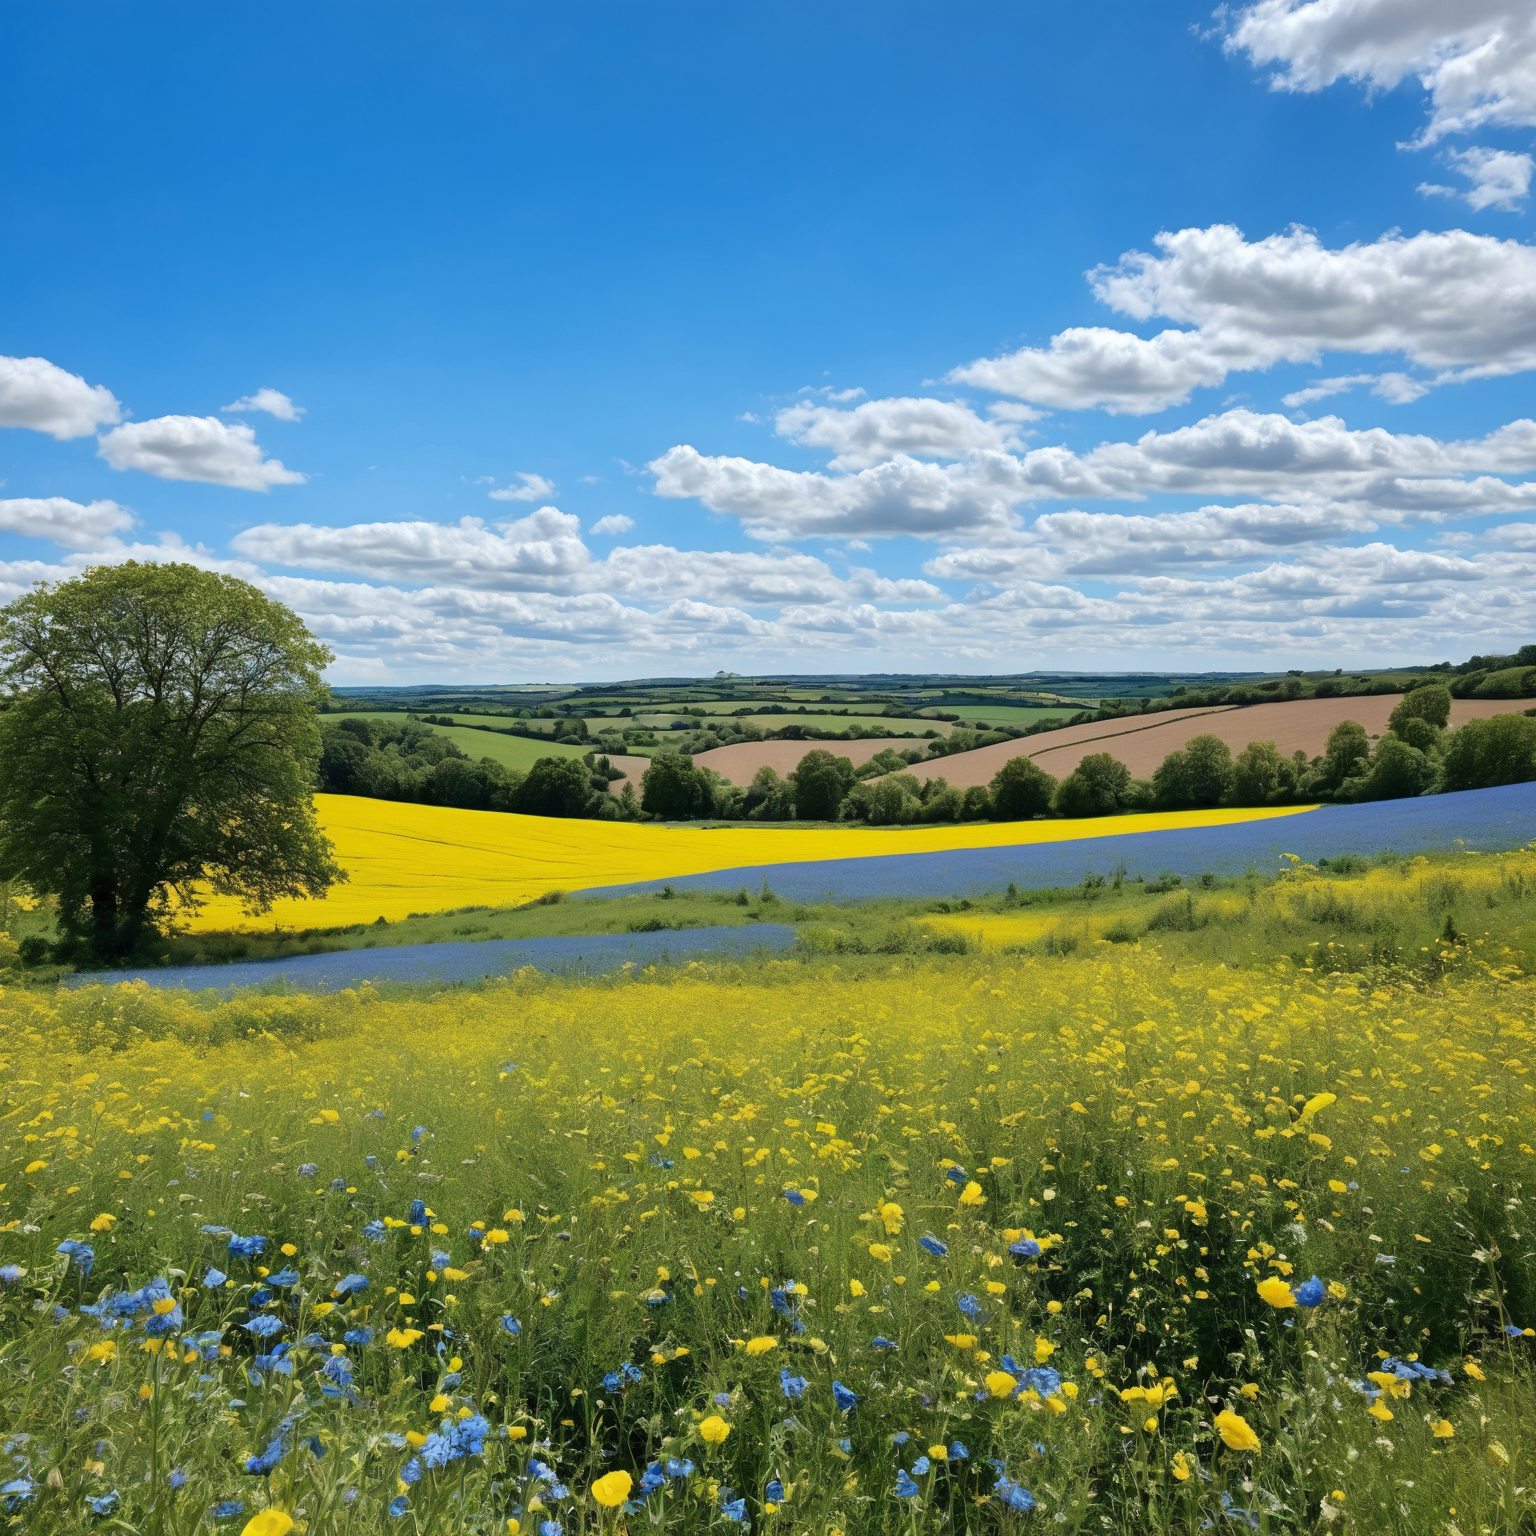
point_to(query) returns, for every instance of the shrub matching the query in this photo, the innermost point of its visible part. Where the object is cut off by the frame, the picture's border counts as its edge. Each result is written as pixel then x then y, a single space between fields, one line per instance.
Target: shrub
pixel 1096 787
pixel 1261 776
pixel 1431 703
pixel 554 786
pixel 1021 788
pixel 1199 775
pixel 1483 753
pixel 820 783
pixel 674 789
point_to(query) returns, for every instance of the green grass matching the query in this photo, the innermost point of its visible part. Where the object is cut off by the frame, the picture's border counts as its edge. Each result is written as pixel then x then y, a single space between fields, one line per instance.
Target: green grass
pixel 1013 714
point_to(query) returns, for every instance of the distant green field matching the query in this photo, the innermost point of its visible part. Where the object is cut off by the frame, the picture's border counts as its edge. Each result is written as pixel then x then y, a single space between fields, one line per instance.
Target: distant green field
pixel 1012 714
pixel 513 751
pixel 662 721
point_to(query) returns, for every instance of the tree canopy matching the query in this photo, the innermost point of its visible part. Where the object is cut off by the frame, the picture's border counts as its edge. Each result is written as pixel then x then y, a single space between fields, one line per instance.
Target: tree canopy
pixel 158 736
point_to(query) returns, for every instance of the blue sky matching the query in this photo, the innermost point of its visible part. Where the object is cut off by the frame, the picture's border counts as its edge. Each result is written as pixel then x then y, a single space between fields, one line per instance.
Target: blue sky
pixel 777 331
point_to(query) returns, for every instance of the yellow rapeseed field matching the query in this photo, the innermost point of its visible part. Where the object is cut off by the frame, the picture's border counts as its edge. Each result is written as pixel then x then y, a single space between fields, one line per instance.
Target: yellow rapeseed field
pixel 420 858
pixel 1131 1239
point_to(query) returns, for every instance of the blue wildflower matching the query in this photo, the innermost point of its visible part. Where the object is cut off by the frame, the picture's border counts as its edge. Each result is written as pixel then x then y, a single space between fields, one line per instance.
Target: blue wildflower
pixel 794 1196
pixel 177 1479
pixel 441 1258
pixel 969 1306
pixel 774 1492
pixel 265 1326
pixel 1021 1500
pixel 1511 1331
pixel 398 1505
pixel 1310 1293
pixel 308 1170
pixel 418 1133
pixel 207 1116
pixel 793 1387
pixel 417 1213
pixel 262 1464
pixel 215 1231
pixel 214 1278
pixel 371 1161
pixel 11 1273
pixel 722 1399
pixel 510 1324
pixel 550 1528
pixel 658 1161
pixel 905 1487
pixel 844 1399
pixel 284 1278
pixel 958 1451
pixel 358 1336
pixel 676 1468
pixel 246 1247
pixel 900 1437
pixel 1025 1248
pixel 1234 1511
pixel 732 1509
pixel 652 1479
pixel 228 1509
pixel 955 1175
pixel 845 1445
pixel 921 1466
pixel 105 1504
pixel 81 1255
pixel 374 1231
pixel 350 1285
pixel 410 1473
pixel 1044 1379
pixel 934 1246
pixel 881 1342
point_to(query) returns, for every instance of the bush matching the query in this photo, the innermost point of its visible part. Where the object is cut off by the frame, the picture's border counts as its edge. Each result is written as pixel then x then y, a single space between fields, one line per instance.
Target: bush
pixel 1431 704
pixel 1483 753
pixel 888 802
pixel 1346 755
pixel 1096 787
pixel 555 786
pixel 675 790
pixel 1021 788
pixel 768 797
pixel 1398 772
pixel 1261 776
pixel 1198 776
pixel 820 784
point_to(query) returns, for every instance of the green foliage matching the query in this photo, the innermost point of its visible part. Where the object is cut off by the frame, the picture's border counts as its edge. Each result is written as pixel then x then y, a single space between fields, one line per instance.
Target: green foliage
pixel 1430 703
pixel 555 786
pixel 1483 753
pixel 1398 772
pixel 675 789
pixel 1021 788
pixel 820 783
pixel 1096 787
pixel 160 736
pixel 1261 776
pixel 1196 777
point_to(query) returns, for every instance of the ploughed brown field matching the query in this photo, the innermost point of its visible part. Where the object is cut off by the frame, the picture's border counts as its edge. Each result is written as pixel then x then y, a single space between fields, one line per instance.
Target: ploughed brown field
pixel 1142 743
pixel 739 762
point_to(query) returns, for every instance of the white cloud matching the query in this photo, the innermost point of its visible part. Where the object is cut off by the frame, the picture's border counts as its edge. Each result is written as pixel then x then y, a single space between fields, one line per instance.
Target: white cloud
pixel 1500 178
pixel 273 401
pixel 901 496
pixel 613 525
pixel 751 578
pixel 1398 388
pixel 199 448
pixel 38 394
pixel 1459 303
pixel 1476 58
pixel 1384 475
pixel 542 550
pixel 66 523
pixel 533 488
pixel 882 429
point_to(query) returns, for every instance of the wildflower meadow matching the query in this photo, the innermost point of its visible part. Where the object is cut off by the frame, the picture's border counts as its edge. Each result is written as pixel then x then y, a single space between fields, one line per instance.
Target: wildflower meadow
pixel 1217 1226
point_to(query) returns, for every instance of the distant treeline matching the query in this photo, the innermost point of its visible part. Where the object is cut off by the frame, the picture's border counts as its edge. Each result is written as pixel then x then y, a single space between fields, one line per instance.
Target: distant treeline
pixel 1418 755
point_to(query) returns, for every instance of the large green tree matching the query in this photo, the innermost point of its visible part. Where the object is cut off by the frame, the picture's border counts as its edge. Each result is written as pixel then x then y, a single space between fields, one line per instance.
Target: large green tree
pixel 158 738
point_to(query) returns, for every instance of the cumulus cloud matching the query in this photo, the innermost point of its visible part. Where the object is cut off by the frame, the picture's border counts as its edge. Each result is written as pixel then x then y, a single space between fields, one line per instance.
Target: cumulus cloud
pixel 201 448
pixel 1234 453
pixel 613 525
pixel 40 395
pixel 882 429
pixel 1475 58
pixel 1500 178
pixel 273 401
pixel 542 550
pixel 1459 303
pixel 66 523
pixel 533 488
